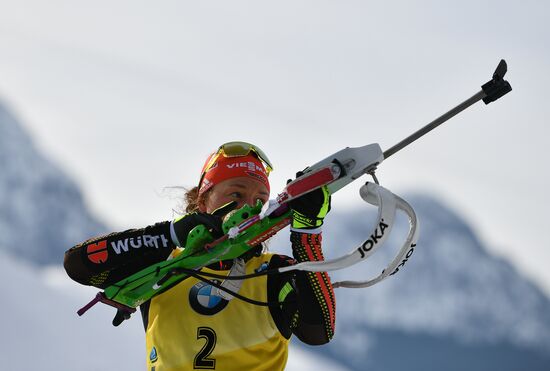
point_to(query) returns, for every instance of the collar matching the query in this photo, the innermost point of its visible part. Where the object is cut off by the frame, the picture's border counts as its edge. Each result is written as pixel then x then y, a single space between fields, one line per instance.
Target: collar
pixel 225 265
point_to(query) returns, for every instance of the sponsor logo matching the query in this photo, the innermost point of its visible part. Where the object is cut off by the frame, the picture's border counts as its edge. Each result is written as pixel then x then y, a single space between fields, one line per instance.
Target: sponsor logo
pixel 409 253
pixel 203 301
pixel 374 238
pixel 251 166
pixel 283 196
pixel 269 232
pixel 97 252
pixel 262 267
pixel 138 242
pixel 205 184
pixel 153 356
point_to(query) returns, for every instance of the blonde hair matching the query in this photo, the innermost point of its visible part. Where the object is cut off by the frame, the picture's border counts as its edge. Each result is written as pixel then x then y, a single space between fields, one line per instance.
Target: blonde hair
pixel 192 199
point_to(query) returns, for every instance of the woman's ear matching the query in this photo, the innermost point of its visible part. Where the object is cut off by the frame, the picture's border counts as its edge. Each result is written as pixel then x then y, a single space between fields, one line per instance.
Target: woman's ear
pixel 201 203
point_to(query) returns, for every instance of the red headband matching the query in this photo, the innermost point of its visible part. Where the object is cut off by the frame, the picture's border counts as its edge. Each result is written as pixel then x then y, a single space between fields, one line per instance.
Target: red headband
pixel 231 167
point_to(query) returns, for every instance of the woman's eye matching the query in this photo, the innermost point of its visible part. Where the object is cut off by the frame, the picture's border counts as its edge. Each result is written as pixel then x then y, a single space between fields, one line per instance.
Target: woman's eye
pixel 237 195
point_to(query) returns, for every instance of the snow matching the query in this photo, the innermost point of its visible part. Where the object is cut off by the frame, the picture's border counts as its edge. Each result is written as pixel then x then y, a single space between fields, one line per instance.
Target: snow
pixel 39 309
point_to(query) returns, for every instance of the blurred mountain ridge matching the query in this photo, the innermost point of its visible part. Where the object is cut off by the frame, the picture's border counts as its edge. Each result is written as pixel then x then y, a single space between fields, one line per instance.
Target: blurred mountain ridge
pixel 452 298
pixel 42 211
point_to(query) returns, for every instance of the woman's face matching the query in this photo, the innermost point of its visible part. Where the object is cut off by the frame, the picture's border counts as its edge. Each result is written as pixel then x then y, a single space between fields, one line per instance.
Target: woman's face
pixel 244 190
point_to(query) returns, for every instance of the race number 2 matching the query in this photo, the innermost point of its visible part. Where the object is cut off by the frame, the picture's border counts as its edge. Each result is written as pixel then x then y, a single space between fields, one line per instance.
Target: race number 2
pixel 202 362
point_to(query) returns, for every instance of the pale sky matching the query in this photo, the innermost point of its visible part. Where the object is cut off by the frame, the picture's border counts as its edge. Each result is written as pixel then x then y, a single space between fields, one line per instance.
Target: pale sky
pixel 130 96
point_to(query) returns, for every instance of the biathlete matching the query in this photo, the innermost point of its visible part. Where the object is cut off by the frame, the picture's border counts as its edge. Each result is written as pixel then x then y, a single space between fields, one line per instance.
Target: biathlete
pixel 195 326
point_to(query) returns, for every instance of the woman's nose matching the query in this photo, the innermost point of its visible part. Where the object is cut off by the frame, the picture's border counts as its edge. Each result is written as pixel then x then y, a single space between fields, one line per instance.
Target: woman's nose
pixel 250 201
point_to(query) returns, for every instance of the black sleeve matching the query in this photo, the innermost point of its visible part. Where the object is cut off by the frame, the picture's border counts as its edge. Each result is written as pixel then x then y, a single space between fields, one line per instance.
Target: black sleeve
pixel 308 304
pixel 104 260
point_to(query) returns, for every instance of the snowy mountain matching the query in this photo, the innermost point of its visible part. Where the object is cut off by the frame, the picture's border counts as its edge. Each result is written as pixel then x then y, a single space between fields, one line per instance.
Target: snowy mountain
pixel 42 212
pixel 453 306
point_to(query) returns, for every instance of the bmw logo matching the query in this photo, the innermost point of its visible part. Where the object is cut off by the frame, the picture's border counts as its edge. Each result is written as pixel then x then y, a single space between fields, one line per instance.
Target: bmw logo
pixel 203 301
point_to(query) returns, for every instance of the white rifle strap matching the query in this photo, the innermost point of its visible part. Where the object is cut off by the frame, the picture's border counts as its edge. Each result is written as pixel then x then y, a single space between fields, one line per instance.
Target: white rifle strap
pixel 402 256
pixel 238 269
pixel 387 204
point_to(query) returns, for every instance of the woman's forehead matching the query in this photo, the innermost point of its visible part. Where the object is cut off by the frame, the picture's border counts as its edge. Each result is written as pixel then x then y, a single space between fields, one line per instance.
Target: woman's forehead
pixel 243 183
